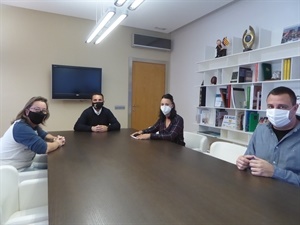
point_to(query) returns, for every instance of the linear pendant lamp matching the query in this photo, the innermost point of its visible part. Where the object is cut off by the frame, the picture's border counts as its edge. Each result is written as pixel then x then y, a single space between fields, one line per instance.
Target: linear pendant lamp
pixel 119 3
pixel 108 15
pixel 135 4
pixel 113 26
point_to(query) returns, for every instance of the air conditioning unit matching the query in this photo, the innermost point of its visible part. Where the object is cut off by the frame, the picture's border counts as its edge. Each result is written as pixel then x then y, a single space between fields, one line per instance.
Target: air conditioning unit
pixel 144 41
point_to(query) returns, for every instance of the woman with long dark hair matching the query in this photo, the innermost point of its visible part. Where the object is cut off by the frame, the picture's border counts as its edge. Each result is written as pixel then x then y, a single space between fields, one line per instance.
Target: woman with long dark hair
pixel 169 126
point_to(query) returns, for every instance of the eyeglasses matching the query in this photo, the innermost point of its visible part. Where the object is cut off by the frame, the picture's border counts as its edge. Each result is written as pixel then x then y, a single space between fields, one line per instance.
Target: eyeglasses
pixel 44 111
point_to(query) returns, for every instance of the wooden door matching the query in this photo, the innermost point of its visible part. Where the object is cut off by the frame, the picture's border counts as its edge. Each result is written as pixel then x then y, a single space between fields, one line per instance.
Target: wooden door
pixel 148 86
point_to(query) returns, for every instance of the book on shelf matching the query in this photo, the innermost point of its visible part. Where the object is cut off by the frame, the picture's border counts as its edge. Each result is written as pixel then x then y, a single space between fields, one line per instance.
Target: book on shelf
pixel 220 113
pixel 288 77
pixel 229 121
pixel 266 71
pixel 284 69
pixel 223 92
pixel 202 95
pixel 252 119
pixel 218 101
pixel 287 69
pixel 255 72
pixel 248 96
pixel 248 75
pixel 238 97
pixel 228 96
pixel 240 121
pixel 242 74
pixel 256 102
pixel 234 77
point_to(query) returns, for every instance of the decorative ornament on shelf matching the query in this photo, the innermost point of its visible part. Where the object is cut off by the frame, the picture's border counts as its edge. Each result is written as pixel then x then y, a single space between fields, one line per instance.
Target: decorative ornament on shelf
pixel 221 47
pixel 248 39
pixel 213 80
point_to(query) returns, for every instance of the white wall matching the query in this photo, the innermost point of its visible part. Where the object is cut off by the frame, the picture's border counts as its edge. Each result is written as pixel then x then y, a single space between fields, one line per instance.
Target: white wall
pixel 231 21
pixel 31 41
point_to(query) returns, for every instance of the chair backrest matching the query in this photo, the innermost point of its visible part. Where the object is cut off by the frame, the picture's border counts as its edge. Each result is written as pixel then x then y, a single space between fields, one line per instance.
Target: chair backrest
pixel 9 192
pixel 33 193
pixel 35 174
pixel 226 151
pixel 195 141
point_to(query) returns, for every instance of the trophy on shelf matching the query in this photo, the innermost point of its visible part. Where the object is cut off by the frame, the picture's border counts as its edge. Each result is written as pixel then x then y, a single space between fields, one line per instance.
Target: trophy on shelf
pixel 248 39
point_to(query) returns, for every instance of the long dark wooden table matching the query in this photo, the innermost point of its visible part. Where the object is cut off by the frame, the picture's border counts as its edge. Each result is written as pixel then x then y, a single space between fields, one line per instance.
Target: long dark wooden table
pixel 111 178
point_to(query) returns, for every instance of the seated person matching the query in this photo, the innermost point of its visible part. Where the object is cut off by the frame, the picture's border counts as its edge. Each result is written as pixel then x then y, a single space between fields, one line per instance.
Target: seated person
pixel 274 149
pixel 97 118
pixel 25 138
pixel 169 125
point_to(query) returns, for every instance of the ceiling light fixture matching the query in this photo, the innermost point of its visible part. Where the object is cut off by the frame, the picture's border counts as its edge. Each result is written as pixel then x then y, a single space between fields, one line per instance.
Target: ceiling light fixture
pixel 113 26
pixel 119 3
pixel 135 4
pixel 102 22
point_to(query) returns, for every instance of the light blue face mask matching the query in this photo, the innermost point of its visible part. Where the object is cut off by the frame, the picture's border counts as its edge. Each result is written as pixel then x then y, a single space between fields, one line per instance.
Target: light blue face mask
pixel 278 117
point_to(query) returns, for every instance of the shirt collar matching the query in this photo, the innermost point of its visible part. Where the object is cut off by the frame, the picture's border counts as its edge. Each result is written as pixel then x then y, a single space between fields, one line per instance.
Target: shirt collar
pixel 97 112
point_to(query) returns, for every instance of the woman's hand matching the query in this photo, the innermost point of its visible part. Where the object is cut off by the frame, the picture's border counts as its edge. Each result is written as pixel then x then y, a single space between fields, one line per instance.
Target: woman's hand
pixel 60 140
pixel 135 134
pixel 143 136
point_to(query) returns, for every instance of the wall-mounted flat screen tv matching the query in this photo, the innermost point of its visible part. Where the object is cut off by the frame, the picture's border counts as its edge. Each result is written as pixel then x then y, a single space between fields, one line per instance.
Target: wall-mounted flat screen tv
pixel 75 82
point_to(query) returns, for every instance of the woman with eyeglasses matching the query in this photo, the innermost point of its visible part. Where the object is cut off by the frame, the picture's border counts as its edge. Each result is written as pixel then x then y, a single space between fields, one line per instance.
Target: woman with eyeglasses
pixel 25 138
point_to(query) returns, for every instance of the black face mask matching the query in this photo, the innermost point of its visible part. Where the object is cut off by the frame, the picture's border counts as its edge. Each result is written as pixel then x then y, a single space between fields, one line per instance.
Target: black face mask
pixel 97 105
pixel 36 117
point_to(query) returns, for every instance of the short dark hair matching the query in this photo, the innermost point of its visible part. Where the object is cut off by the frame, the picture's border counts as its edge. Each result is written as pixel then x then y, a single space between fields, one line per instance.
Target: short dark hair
pixel 173 111
pixel 284 90
pixel 97 94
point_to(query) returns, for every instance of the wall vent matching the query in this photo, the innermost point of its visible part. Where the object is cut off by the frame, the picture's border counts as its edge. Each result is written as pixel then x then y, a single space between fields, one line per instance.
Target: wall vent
pixel 144 41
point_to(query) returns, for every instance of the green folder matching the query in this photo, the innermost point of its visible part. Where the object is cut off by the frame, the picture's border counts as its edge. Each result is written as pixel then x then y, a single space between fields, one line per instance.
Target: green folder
pixel 253 121
pixel 267 71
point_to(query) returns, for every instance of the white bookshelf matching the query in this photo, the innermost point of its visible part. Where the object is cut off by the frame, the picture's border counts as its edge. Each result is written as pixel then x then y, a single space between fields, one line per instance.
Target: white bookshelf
pixel 223 67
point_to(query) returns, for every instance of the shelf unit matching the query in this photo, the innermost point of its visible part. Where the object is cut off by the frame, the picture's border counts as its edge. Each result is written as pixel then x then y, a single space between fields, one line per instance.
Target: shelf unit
pixel 223 67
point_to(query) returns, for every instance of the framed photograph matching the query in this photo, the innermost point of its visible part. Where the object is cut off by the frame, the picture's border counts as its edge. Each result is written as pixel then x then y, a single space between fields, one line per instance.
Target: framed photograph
pixel 291 34
pixel 234 77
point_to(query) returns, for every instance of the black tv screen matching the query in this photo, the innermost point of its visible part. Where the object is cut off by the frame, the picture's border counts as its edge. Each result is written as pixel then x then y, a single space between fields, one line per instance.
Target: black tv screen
pixel 75 82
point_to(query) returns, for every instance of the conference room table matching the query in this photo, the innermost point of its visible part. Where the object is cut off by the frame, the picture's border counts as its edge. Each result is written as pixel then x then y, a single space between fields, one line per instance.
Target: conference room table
pixel 111 178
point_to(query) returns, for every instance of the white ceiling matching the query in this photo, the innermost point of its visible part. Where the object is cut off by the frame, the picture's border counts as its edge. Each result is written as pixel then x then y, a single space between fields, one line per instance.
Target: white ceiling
pixel 156 15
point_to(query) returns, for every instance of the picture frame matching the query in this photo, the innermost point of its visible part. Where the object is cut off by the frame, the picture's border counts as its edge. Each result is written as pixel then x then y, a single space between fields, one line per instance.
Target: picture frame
pixel 229 121
pixel 234 77
pixel 291 33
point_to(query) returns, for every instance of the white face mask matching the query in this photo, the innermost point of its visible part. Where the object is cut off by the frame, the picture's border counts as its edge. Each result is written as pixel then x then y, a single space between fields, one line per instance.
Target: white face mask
pixel 278 117
pixel 165 109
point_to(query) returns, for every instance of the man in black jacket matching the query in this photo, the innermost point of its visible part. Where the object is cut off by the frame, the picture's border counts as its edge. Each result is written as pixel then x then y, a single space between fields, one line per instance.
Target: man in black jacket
pixel 97 118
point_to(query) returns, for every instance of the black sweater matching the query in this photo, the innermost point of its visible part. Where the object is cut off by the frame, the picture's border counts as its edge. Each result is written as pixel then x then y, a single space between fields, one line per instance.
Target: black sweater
pixel 89 118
